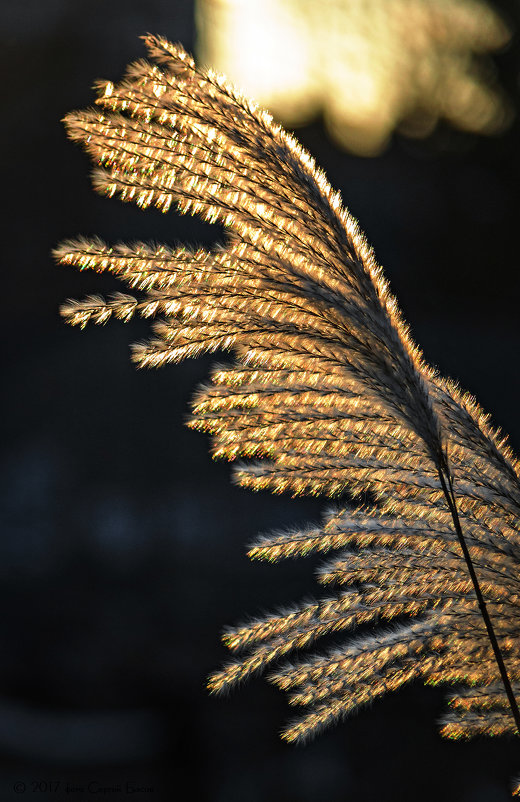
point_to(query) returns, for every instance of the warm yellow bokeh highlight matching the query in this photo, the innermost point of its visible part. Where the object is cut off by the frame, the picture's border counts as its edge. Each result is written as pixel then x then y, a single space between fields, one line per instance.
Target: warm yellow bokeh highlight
pixel 369 65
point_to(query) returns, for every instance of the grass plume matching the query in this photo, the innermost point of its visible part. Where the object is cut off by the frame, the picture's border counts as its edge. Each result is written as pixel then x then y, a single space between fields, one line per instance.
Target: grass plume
pixel 327 392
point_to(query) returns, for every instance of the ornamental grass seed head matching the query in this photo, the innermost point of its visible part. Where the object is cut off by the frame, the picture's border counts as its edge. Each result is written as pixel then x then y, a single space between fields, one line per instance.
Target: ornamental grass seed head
pixel 326 393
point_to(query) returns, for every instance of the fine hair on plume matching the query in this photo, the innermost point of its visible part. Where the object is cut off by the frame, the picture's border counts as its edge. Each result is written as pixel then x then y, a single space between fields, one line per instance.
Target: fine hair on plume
pixel 327 394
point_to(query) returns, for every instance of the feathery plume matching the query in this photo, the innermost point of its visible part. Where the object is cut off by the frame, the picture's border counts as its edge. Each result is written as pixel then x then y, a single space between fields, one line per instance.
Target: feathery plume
pixel 327 393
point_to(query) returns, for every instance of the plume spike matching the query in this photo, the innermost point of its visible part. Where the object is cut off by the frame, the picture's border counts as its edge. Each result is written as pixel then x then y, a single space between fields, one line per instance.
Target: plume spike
pixel 327 392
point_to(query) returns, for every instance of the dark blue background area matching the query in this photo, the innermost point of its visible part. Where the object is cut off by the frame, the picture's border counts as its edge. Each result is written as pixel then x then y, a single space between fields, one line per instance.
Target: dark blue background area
pixel 122 546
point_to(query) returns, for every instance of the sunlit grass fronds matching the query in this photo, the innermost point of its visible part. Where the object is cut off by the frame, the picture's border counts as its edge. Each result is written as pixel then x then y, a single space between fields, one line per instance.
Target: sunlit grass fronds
pixel 478 711
pixel 327 394
pixel 472 723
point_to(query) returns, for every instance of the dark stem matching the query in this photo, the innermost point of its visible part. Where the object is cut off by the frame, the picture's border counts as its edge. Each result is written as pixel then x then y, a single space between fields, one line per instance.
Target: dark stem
pixel 447 486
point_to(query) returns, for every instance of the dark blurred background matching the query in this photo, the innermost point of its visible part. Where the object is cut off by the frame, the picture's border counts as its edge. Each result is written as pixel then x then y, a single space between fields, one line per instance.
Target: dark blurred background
pixel 122 546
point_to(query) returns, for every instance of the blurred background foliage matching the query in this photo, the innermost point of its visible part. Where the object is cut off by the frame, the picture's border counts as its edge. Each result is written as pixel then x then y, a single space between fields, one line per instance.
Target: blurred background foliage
pixel 122 545
pixel 370 66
